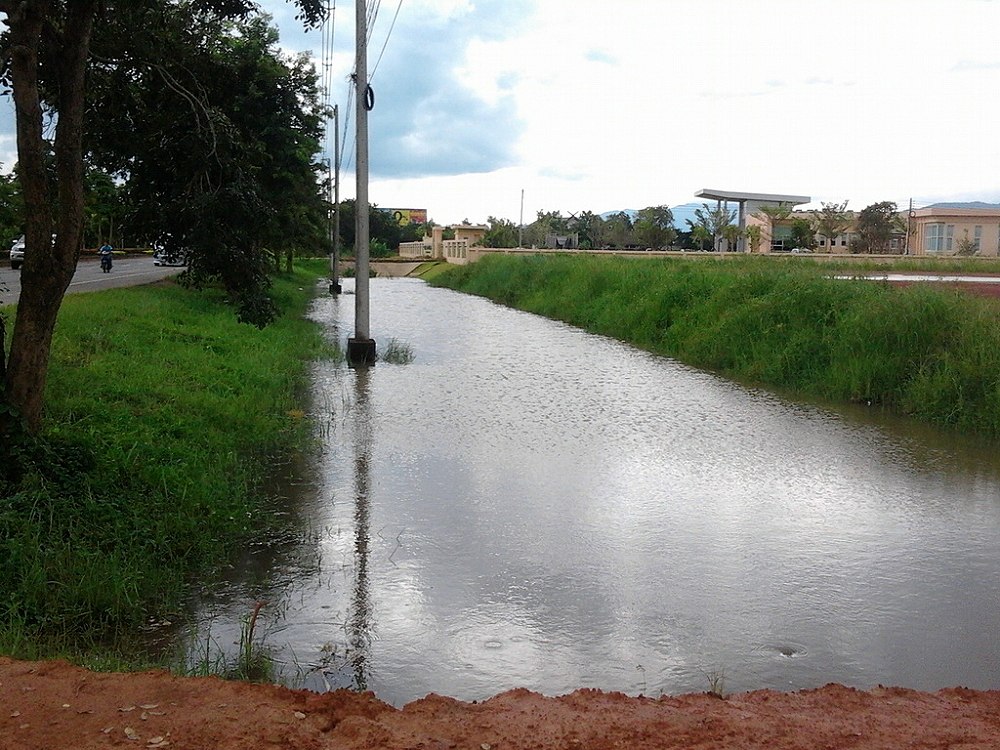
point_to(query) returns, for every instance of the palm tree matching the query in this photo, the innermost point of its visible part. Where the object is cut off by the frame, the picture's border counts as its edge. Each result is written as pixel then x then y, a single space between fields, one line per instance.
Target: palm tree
pixel 699 234
pixel 833 220
pixel 715 220
pixel 772 213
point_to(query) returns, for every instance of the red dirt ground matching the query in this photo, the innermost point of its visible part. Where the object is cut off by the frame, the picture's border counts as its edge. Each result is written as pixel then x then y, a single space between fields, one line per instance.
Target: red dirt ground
pixel 56 705
pixel 972 287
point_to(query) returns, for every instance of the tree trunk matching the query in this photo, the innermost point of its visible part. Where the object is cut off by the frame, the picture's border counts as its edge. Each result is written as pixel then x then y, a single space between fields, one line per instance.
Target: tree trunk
pixel 48 265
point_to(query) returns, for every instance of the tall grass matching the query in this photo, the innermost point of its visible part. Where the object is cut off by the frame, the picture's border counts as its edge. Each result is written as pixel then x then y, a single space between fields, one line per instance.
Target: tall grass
pixel 931 353
pixel 163 416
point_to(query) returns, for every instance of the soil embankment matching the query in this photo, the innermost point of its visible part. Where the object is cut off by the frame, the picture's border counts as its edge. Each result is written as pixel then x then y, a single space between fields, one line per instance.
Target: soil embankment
pixel 54 704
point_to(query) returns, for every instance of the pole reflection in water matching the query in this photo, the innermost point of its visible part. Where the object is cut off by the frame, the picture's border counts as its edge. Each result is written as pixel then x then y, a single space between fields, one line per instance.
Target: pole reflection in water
pixel 360 622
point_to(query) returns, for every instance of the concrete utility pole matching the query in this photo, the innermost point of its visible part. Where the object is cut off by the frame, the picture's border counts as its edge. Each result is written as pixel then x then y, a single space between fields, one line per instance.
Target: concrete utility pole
pixel 520 226
pixel 335 287
pixel 361 348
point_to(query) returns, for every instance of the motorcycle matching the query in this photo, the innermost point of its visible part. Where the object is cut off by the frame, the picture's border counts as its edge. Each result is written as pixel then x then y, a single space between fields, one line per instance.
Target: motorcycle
pixel 106 262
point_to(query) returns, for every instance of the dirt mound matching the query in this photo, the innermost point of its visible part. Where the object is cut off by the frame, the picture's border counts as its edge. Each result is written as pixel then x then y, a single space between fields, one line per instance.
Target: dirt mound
pixel 57 705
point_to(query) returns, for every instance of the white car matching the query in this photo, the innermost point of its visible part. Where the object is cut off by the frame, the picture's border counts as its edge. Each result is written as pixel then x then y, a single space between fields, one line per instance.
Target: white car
pixel 17 253
pixel 161 258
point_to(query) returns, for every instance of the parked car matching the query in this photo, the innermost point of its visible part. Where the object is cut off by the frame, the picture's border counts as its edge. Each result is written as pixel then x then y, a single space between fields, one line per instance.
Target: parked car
pixel 163 258
pixel 17 253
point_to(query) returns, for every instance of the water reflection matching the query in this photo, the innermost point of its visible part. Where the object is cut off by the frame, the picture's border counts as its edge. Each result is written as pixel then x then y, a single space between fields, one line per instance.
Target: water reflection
pixel 361 629
pixel 528 505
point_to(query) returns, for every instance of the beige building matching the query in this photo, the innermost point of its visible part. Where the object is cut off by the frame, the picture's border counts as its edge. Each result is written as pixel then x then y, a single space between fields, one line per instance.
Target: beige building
pixel 955 229
pixel 939 229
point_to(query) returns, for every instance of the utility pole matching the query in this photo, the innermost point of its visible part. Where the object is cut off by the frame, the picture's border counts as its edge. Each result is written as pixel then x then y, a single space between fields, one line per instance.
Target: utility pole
pixel 335 287
pixel 361 347
pixel 520 226
pixel 909 228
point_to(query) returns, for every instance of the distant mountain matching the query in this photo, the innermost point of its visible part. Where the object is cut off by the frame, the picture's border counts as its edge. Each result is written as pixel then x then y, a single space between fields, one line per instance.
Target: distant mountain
pixel 632 213
pixel 681 213
pixel 975 205
pixel 684 213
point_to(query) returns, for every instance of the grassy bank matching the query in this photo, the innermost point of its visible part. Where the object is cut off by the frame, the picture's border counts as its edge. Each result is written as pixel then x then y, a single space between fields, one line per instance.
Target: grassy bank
pixel 163 415
pixel 930 353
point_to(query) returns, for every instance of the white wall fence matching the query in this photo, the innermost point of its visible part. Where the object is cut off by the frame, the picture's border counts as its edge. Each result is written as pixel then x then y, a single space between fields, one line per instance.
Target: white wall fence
pixel 452 251
pixel 416 250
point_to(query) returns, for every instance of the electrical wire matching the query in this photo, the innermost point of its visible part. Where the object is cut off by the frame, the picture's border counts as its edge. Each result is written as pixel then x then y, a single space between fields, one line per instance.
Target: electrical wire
pixel 371 76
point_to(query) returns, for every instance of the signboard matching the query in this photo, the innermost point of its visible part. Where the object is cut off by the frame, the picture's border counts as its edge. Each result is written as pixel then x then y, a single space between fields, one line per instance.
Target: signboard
pixel 404 216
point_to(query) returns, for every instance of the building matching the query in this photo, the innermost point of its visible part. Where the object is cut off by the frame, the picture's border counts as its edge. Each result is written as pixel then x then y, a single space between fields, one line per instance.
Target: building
pixel 748 214
pixel 436 247
pixel 939 229
pixel 955 229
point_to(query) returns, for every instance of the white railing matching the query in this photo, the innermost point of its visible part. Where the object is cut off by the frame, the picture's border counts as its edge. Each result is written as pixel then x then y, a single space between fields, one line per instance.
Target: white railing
pixel 415 250
pixel 456 251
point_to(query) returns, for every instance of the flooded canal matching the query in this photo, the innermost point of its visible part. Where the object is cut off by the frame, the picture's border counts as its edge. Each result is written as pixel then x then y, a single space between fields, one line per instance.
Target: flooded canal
pixel 527 505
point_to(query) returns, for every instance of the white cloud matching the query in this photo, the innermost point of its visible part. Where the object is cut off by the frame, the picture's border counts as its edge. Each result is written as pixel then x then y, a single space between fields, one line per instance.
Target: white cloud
pixel 638 103
pixel 590 104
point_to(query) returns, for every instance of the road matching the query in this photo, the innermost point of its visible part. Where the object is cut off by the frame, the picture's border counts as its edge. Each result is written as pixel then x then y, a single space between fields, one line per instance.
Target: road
pixel 130 271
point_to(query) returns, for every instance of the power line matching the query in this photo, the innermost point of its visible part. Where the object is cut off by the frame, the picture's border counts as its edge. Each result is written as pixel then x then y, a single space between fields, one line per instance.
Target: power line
pixel 371 76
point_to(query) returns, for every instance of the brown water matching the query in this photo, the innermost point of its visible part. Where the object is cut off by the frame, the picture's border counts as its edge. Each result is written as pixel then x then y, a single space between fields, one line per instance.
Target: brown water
pixel 528 505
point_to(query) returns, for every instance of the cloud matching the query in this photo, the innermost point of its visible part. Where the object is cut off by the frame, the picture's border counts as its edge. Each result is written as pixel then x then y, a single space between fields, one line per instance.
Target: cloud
pixel 430 118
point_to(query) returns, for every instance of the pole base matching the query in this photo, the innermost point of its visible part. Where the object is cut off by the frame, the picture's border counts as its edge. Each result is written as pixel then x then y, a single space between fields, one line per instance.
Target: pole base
pixel 360 352
pixel 335 288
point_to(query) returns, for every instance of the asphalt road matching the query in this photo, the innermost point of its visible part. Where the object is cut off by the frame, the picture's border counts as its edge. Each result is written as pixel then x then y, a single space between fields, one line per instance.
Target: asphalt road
pixel 130 271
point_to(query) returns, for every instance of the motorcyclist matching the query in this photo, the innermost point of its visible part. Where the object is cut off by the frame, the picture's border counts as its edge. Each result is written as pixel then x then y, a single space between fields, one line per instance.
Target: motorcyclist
pixel 105 253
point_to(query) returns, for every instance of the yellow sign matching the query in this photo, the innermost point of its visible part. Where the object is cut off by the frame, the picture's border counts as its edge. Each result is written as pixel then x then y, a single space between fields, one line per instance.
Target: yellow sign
pixel 404 216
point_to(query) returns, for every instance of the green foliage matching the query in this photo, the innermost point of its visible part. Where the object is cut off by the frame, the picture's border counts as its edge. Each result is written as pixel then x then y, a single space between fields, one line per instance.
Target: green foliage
pixel 162 414
pixel 11 211
pixel 502 233
pixel 832 221
pixel 803 234
pixel 654 227
pixel 213 131
pixel 384 232
pixel 877 224
pixel 933 354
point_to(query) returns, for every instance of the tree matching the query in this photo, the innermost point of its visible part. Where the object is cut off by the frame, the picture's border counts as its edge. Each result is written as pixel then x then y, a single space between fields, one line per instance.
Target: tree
pixel 772 214
pixel 732 234
pixel 700 234
pixel 502 233
pixel 803 235
pixel 545 223
pixel 715 220
pixel 654 227
pixel 617 231
pixel 104 209
pixel 588 226
pixel 384 232
pixel 11 211
pixel 832 221
pixel 236 189
pixel 876 225
pixel 46 49
pixel 966 245
pixel 753 233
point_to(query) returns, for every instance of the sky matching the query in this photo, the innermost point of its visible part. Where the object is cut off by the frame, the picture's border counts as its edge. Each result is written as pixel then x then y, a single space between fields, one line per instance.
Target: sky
pixel 604 106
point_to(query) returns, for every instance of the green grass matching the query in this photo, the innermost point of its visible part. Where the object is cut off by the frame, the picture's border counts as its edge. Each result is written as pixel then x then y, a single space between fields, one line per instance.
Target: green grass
pixel 163 416
pixel 931 353
pixel 430 269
